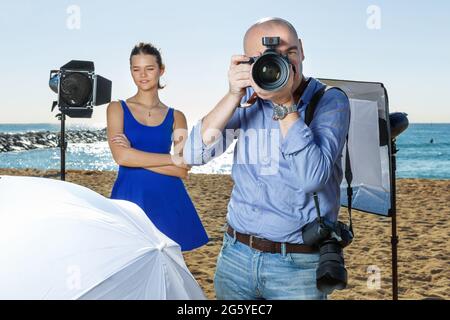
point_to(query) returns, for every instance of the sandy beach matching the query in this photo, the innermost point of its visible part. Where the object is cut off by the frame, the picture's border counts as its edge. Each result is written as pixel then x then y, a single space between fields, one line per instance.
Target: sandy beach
pixel 423 228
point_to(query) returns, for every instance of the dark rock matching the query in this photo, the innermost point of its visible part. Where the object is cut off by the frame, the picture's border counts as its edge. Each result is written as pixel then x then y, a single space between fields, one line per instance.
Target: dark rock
pixel 47 139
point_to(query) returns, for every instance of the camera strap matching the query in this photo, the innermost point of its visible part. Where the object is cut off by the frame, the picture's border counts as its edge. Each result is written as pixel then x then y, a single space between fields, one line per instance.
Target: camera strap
pixel 309 114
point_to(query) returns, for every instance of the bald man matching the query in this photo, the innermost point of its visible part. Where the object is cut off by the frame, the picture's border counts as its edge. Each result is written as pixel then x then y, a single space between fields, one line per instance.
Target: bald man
pixel 279 162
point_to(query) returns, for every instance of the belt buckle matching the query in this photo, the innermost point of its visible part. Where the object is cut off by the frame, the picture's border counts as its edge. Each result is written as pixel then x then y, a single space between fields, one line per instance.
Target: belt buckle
pixel 250 243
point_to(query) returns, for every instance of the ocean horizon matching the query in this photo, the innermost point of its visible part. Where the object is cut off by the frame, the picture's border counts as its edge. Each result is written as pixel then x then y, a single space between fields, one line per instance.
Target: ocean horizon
pixel 424 152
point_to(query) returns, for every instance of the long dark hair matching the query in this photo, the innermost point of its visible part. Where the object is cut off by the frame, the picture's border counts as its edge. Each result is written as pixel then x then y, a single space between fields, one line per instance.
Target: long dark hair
pixel 148 48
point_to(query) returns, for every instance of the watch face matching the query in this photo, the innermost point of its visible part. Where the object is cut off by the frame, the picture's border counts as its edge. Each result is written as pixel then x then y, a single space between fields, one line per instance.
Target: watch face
pixel 279 112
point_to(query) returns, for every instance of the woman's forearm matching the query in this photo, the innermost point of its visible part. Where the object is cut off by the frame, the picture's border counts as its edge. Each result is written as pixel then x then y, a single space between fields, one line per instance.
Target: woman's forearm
pixel 173 171
pixel 130 157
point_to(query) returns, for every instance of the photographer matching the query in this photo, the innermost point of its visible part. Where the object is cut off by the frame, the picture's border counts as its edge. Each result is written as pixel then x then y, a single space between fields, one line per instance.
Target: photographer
pixel 263 255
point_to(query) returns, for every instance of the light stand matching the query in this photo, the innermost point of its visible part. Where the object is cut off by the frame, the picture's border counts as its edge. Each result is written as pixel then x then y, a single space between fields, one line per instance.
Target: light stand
pixel 78 89
pixel 62 144
pixel 394 237
pixel 398 123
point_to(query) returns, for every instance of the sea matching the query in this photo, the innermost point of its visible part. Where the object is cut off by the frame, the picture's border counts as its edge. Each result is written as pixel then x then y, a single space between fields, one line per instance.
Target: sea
pixel 423 152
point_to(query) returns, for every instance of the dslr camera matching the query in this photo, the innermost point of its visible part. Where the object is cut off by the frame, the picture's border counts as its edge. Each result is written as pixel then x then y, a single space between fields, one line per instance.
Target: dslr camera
pixel 330 238
pixel 271 70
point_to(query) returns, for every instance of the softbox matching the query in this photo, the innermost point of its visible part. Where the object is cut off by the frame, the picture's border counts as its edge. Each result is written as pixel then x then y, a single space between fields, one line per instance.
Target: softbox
pixel 369 140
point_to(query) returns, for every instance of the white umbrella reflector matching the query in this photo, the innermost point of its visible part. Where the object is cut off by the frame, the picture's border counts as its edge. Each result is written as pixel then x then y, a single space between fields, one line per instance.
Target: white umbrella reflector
pixel 59 240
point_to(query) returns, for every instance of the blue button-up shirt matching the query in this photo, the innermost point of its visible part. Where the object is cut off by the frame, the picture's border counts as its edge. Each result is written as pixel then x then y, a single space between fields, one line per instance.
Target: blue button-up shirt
pixel 275 177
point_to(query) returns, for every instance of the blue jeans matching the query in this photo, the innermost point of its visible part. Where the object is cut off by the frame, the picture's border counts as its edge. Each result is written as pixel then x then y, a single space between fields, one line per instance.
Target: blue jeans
pixel 243 273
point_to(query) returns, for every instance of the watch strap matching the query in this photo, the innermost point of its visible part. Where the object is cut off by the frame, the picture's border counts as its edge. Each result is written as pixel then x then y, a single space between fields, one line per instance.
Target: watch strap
pixel 291 109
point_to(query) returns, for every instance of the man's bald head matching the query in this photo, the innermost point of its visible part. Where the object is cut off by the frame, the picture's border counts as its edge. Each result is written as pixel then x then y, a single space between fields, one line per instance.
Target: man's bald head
pixel 290 45
pixel 267 24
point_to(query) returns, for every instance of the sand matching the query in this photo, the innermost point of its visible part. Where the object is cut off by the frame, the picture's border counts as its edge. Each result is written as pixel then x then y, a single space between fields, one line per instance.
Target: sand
pixel 423 228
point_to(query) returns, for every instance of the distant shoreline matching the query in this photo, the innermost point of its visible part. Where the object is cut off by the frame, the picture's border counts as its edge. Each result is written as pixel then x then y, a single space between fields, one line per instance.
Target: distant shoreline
pixel 47 139
pixel 424 150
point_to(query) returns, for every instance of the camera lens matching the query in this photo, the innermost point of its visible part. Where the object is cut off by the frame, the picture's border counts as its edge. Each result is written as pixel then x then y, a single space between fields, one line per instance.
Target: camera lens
pixel 331 274
pixel 271 71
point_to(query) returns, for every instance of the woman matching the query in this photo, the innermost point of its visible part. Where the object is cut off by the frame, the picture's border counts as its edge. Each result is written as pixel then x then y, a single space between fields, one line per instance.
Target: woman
pixel 140 131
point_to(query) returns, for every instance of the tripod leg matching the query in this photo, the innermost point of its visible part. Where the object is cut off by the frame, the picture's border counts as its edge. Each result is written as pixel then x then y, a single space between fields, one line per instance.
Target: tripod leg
pixel 63 146
pixel 394 237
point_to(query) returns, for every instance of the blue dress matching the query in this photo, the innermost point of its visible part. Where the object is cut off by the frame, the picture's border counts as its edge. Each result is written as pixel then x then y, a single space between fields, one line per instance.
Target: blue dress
pixel 163 198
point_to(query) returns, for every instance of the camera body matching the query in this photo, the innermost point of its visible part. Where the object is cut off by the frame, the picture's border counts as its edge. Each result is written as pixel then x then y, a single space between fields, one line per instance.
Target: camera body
pixel 330 238
pixel 321 229
pixel 271 70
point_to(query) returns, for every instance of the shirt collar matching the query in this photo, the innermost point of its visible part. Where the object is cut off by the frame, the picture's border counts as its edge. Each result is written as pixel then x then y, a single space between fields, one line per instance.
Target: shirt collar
pixel 309 92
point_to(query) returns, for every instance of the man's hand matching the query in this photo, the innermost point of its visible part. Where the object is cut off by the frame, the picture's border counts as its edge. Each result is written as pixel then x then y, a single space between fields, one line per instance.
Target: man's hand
pixel 239 75
pixel 283 96
pixel 121 140
pixel 178 160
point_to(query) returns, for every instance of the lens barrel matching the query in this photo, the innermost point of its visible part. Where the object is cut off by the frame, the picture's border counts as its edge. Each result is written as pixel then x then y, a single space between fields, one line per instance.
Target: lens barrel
pixel 331 274
pixel 271 71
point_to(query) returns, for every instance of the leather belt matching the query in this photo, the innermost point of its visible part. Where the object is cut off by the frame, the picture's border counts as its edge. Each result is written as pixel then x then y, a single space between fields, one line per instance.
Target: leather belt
pixel 265 245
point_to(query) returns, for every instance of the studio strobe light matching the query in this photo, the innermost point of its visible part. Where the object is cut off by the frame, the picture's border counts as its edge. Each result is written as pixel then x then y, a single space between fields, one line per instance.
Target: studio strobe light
pixel 79 89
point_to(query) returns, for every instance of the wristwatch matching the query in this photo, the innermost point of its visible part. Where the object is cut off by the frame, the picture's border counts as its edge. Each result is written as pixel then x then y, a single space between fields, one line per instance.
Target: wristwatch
pixel 280 111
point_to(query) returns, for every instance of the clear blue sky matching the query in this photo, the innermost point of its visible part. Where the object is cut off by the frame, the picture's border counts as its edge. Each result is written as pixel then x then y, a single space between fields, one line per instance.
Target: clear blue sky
pixel 410 53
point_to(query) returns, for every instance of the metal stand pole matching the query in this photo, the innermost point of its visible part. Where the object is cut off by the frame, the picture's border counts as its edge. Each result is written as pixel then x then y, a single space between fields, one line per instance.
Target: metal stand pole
pixel 62 145
pixel 394 237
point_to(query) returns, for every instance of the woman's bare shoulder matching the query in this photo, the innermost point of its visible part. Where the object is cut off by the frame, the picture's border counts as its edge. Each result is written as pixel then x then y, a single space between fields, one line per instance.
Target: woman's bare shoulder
pixel 179 119
pixel 179 116
pixel 115 107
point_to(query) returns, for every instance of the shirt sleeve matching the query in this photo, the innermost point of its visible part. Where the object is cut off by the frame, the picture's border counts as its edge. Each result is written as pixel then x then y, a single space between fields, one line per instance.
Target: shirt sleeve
pixel 312 151
pixel 196 153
